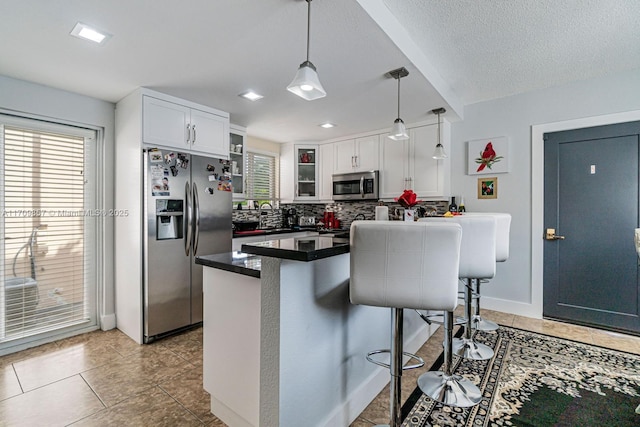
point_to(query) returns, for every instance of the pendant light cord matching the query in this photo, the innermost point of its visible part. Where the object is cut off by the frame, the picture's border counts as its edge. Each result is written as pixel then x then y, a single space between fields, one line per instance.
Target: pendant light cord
pixel 308 26
pixel 439 128
pixel 398 96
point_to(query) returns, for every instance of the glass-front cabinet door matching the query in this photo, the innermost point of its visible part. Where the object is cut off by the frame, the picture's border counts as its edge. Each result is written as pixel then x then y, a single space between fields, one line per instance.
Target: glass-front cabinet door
pixel 236 157
pixel 306 172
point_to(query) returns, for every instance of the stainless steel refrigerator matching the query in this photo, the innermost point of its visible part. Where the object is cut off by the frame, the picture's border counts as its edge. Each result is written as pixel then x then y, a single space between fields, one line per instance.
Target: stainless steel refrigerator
pixel 187 208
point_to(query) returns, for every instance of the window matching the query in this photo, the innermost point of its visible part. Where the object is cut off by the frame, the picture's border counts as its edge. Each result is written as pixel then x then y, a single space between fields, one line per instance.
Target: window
pixel 261 177
pixel 48 259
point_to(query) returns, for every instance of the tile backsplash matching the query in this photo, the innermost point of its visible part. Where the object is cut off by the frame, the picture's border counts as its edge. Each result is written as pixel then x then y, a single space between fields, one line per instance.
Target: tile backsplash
pixel 346 212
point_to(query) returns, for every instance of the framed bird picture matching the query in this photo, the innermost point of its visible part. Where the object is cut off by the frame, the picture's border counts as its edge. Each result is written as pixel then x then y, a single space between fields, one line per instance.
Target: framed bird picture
pixel 488 188
pixel 488 156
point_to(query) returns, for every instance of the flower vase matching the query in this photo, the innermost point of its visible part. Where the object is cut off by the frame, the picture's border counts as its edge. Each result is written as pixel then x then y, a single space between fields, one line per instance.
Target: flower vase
pixel 409 215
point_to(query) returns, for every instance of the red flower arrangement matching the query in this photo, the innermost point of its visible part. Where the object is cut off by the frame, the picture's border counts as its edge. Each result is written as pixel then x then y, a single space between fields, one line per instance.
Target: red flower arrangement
pixel 408 199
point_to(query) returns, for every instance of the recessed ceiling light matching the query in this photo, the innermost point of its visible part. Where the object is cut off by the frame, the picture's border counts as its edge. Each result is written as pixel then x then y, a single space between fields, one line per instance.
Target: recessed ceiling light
pixel 251 95
pixel 327 125
pixel 86 32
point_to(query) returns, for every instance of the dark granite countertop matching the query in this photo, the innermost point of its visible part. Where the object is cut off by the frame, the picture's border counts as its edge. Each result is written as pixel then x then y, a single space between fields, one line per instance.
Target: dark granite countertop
pixel 297 229
pixel 236 262
pixel 299 249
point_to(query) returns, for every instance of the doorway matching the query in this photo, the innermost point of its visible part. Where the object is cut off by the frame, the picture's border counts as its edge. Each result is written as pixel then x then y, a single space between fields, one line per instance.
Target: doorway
pixel 591 209
pixel 48 253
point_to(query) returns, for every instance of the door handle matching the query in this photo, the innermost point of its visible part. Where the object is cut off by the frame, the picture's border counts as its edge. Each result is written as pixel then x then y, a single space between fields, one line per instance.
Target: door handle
pixel 196 218
pixel 187 219
pixel 551 235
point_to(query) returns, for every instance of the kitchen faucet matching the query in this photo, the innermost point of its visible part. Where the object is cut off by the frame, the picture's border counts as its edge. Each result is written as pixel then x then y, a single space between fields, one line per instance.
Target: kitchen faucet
pixel 260 213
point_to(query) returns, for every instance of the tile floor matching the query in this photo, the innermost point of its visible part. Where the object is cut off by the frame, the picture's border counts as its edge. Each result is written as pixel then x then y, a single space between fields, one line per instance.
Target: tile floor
pixel 104 378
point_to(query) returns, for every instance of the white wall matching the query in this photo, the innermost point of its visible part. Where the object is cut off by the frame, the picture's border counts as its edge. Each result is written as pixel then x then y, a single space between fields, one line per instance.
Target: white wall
pixel 39 101
pixel 517 284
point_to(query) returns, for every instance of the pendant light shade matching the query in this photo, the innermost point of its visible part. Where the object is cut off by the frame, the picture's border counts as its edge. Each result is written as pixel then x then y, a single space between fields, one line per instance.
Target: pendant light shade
pixel 439 152
pixel 398 131
pixel 306 83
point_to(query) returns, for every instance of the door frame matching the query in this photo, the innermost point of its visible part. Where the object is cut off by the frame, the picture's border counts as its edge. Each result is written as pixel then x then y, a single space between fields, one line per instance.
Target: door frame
pixel 537 190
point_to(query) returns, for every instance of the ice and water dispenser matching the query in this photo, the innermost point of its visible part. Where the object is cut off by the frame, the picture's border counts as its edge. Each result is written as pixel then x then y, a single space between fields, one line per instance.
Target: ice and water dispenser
pixel 169 219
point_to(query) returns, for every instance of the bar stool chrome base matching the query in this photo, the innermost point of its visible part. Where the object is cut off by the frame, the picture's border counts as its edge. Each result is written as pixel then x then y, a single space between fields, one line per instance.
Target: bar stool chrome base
pixel 469 349
pixel 452 390
pixel 480 324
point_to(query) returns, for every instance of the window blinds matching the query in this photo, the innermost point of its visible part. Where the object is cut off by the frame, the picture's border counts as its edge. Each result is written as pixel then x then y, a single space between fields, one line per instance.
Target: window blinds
pixel 48 251
pixel 261 176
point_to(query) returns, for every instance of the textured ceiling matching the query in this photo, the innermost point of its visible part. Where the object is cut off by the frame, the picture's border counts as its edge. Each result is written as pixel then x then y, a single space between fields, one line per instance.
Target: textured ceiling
pixel 488 49
pixel 209 51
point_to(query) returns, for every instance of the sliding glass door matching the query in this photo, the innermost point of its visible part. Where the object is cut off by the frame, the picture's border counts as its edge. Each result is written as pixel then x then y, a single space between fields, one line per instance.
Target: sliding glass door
pixel 48 262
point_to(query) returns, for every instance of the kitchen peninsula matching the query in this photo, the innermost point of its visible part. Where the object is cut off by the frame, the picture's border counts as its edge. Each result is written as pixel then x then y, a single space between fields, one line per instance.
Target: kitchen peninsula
pixel 283 346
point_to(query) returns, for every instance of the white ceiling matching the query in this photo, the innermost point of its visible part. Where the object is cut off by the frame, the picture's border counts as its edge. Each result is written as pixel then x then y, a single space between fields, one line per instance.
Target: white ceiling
pixel 208 51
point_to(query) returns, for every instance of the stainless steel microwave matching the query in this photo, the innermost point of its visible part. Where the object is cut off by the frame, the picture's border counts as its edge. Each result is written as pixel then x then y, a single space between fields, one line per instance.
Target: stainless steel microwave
pixel 355 186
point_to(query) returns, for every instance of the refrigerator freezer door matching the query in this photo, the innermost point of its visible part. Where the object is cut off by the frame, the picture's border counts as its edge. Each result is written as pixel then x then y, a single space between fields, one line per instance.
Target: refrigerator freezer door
pixel 214 226
pixel 167 291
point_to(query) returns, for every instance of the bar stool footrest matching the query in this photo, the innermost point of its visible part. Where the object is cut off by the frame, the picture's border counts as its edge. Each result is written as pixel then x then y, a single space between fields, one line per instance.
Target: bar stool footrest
pixel 419 364
pixel 438 319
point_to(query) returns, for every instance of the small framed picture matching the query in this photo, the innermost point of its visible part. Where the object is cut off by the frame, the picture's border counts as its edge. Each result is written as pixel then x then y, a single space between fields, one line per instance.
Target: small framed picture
pixel 488 188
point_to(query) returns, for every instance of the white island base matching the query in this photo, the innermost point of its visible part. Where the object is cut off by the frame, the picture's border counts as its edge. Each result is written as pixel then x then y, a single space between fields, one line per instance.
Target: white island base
pixel 289 349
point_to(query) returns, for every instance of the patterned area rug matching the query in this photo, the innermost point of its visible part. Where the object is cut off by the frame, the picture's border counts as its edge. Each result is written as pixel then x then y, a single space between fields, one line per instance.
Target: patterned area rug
pixel 538 380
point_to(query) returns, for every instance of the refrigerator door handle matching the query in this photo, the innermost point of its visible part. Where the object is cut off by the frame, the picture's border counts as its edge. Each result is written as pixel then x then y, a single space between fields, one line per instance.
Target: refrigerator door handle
pixel 196 218
pixel 187 223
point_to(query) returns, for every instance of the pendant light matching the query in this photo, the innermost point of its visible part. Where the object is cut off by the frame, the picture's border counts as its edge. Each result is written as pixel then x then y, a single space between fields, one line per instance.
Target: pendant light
pixel 398 131
pixel 439 152
pixel 306 83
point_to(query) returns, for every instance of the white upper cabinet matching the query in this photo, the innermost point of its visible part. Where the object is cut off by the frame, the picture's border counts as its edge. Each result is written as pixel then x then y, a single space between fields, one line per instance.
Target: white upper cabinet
pixel 394 171
pixel 299 173
pixel 356 155
pixel 410 165
pixel 185 126
pixel 427 173
pixel 326 170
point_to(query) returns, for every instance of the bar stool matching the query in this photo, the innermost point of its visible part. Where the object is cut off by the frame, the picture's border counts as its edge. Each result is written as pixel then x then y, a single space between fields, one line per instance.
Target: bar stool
pixel 477 261
pixel 410 265
pixel 503 226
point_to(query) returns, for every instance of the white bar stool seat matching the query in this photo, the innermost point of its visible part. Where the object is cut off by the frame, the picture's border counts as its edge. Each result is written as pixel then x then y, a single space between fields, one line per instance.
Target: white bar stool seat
pixel 477 261
pixel 410 265
pixel 503 227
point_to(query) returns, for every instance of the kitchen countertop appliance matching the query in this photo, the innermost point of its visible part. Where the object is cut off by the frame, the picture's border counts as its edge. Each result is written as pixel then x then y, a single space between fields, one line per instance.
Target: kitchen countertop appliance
pixel 187 212
pixel 289 218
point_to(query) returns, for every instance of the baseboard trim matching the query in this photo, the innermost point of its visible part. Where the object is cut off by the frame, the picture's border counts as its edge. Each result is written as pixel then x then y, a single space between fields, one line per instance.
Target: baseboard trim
pixel 358 401
pixel 511 307
pixel 108 322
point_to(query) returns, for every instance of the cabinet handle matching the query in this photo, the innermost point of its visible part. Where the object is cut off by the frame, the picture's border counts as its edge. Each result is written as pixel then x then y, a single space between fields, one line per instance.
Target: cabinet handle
pixel 188 134
pixel 357 162
pixel 353 165
pixel 193 140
